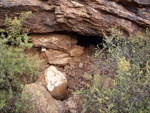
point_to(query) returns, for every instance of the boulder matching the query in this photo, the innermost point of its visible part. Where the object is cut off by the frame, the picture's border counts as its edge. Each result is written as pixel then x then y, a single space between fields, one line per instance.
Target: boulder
pixel 76 51
pixel 57 57
pixel 86 17
pixel 40 101
pixel 56 82
pixel 73 104
pixel 52 41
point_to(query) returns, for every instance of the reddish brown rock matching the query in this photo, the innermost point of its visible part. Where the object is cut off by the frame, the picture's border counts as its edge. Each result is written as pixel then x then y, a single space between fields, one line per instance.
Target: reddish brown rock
pixel 52 41
pixel 86 17
pixel 72 83
pixel 76 51
pixel 57 57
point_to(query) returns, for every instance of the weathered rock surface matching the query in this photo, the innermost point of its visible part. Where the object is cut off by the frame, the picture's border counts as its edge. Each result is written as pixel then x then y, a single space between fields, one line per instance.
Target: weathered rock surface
pixel 52 41
pixel 58 48
pixel 40 100
pixel 56 83
pixel 86 17
pixel 57 57
pixel 76 51
pixel 73 104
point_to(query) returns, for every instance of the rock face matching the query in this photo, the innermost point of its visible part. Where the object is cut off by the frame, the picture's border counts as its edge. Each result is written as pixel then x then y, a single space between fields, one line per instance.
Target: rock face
pixel 56 83
pixel 86 17
pixel 40 100
pixel 58 48
pixel 52 41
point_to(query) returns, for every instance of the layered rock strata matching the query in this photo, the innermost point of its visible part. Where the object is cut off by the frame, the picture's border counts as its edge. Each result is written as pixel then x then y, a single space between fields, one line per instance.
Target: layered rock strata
pixel 86 17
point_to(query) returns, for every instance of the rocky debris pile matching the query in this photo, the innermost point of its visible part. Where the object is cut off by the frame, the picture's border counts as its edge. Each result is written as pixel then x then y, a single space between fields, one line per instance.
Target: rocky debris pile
pixel 41 98
pixel 59 49
pixel 59 78
pixel 63 52
pixel 86 17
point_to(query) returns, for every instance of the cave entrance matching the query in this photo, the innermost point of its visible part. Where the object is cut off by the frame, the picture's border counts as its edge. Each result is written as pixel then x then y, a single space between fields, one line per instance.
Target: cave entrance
pixel 90 43
pixel 86 41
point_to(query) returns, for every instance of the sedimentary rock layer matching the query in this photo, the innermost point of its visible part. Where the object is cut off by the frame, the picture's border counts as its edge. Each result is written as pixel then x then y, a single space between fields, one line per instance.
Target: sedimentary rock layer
pixel 86 17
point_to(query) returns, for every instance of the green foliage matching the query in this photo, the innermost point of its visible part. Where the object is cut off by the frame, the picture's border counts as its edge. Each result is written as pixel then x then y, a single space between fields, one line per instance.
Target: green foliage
pixel 14 64
pixel 16 36
pixel 128 58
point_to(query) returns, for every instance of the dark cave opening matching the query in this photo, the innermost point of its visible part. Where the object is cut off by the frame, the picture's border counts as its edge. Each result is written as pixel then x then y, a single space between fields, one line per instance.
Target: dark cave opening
pixel 86 41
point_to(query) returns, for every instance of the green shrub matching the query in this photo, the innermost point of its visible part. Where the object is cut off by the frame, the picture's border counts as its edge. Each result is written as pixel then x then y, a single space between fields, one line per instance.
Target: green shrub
pixel 127 59
pixel 15 64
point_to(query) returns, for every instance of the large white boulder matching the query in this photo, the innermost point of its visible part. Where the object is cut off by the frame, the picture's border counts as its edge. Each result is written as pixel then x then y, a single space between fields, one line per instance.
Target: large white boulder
pixel 56 82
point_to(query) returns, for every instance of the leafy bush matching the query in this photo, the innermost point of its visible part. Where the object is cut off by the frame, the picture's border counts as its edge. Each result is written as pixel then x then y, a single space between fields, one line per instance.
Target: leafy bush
pixel 127 59
pixel 14 64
